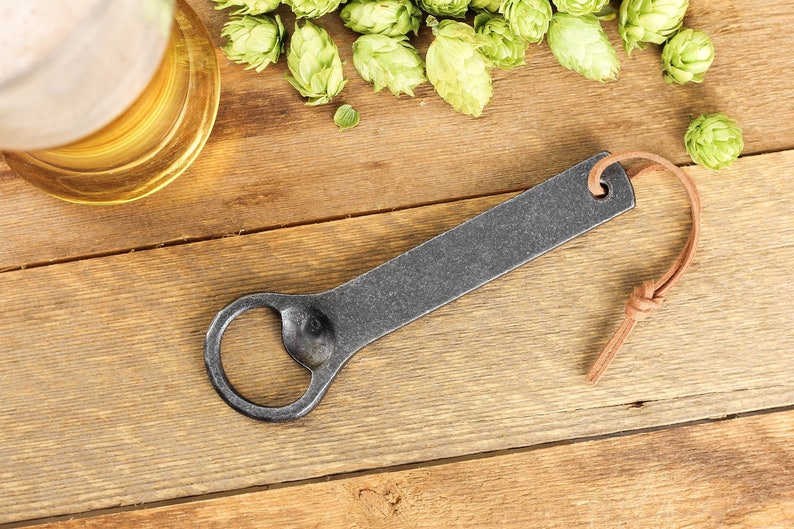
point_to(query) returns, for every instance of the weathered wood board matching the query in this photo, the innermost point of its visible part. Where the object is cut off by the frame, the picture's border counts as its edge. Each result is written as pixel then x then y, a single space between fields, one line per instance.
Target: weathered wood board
pixel 272 161
pixel 722 475
pixel 104 400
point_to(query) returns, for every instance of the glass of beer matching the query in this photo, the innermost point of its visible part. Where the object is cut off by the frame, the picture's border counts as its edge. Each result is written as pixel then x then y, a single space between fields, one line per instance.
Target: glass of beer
pixel 104 101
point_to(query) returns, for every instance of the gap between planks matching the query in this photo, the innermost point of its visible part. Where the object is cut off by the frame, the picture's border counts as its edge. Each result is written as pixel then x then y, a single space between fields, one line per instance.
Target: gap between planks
pixel 126 516
pixel 497 197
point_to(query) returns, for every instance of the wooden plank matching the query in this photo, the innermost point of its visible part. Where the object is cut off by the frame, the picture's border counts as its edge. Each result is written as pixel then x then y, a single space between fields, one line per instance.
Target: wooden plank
pixel 733 473
pixel 104 400
pixel 261 170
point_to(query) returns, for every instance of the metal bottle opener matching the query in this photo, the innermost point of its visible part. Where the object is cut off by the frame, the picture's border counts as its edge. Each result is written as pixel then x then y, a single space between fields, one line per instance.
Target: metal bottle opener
pixel 323 331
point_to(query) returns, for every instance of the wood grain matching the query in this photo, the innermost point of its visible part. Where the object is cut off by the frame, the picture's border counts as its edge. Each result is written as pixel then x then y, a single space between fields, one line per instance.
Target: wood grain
pixel 273 161
pixel 104 400
pixel 733 473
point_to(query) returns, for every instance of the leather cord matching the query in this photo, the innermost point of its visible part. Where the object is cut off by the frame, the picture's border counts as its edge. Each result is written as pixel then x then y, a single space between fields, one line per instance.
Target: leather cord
pixel 650 295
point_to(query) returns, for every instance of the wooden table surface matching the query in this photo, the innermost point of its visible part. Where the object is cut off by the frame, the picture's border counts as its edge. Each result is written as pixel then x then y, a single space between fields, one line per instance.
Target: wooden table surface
pixel 477 415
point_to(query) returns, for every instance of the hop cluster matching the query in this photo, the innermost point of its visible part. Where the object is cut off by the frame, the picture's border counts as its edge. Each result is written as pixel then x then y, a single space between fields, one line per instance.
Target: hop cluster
pixel 460 58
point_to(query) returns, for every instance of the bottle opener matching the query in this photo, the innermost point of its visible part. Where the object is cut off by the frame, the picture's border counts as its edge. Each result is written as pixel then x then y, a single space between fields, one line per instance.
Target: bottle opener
pixel 323 331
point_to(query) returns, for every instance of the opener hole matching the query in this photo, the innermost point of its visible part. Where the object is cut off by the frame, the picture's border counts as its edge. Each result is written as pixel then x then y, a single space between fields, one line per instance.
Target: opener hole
pixel 606 190
pixel 256 362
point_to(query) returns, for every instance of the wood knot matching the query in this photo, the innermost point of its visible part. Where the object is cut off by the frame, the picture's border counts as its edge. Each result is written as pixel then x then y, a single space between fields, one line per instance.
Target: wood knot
pixel 643 301
pixel 380 504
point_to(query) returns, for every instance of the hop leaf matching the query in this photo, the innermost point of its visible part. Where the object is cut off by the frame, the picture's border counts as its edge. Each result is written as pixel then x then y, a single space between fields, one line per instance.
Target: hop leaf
pixel 714 140
pixel 502 47
pixel 253 40
pixel 387 17
pixel 444 8
pixel 491 6
pixel 649 21
pixel 312 8
pixel 388 62
pixel 315 65
pixel 458 71
pixel 528 19
pixel 248 7
pixel 580 7
pixel 346 117
pixel 580 44
pixel 687 56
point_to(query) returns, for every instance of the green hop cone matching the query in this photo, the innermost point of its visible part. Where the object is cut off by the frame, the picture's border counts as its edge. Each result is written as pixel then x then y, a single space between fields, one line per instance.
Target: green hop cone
pixel 457 70
pixel 314 64
pixel 389 62
pixel 649 21
pixel 491 6
pixel 580 7
pixel 248 7
pixel 503 48
pixel 386 17
pixel 444 8
pixel 713 140
pixel 580 44
pixel 528 19
pixel 312 8
pixel 687 56
pixel 253 40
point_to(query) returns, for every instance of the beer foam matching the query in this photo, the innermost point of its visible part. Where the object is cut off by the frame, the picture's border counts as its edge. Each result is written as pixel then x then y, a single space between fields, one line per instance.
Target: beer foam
pixel 31 30
pixel 69 67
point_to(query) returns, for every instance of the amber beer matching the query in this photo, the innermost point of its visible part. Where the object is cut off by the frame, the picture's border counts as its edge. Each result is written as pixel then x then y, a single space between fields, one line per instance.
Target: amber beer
pixel 151 142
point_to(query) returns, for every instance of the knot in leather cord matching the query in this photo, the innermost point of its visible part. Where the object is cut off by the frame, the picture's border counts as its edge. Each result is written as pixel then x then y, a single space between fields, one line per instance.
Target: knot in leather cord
pixel 644 299
pixel 650 295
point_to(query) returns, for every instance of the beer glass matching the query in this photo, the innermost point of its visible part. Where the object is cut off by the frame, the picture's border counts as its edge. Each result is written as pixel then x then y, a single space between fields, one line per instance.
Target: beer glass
pixel 104 101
